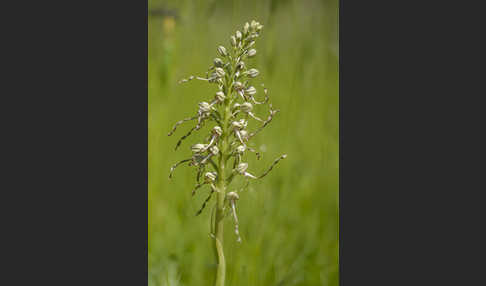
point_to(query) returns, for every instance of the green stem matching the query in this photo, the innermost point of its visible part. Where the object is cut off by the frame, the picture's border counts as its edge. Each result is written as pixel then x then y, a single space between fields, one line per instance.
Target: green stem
pixel 221 186
pixel 221 181
pixel 218 239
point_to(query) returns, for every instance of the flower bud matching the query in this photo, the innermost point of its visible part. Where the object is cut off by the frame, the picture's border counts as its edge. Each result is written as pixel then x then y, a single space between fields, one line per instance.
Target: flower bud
pixel 251 90
pixel 246 107
pixel 253 36
pixel 232 196
pixel 218 62
pixel 240 149
pixel 238 35
pixel 252 73
pixel 246 28
pixel 243 134
pixel 220 96
pixel 198 148
pixel 254 24
pixel 233 41
pixel 220 72
pixel 241 168
pixel 251 53
pixel 240 124
pixel 217 130
pixel 237 85
pixel 240 65
pixel 214 150
pixel 210 176
pixel 250 44
pixel 222 51
pixel 204 107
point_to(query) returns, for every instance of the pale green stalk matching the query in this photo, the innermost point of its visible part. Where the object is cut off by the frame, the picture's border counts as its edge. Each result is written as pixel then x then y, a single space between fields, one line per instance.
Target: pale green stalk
pixel 221 184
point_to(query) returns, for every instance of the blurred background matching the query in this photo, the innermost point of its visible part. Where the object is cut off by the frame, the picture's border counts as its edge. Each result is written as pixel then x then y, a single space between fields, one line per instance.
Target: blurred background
pixel 289 220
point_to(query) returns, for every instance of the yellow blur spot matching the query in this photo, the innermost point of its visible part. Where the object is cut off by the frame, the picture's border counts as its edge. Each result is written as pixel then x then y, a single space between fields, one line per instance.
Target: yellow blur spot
pixel 168 25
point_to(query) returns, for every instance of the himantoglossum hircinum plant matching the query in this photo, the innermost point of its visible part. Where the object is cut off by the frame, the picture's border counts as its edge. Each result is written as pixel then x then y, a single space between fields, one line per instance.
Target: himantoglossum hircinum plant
pixel 220 158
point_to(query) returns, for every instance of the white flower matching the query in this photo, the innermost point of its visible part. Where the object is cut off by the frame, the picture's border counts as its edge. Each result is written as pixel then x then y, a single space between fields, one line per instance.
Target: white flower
pixel 253 73
pixel 204 107
pixel 222 51
pixel 241 168
pixel 214 150
pixel 232 196
pixel 240 124
pixel 246 28
pixel 240 149
pixel 244 134
pixel 218 62
pixel 198 148
pixel 246 107
pixel 251 90
pixel 217 130
pixel 210 176
pixel 220 96
pixel 240 65
pixel 251 53
pixel 220 72
pixel 237 85
pixel 254 24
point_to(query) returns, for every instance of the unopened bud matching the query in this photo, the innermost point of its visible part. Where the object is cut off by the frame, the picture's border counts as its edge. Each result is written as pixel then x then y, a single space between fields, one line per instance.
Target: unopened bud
pixel 251 53
pixel 220 72
pixel 254 24
pixel 243 134
pixel 232 196
pixel 198 148
pixel 251 90
pixel 240 124
pixel 210 176
pixel 222 51
pixel 252 73
pixel 217 130
pixel 204 107
pixel 240 65
pixel 240 149
pixel 246 28
pixel 246 107
pixel 218 62
pixel 220 96
pixel 233 41
pixel 237 85
pixel 214 150
pixel 238 35
pixel 241 168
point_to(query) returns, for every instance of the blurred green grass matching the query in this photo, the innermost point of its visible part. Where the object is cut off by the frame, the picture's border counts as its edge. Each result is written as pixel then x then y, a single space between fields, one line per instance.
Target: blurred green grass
pixel 289 220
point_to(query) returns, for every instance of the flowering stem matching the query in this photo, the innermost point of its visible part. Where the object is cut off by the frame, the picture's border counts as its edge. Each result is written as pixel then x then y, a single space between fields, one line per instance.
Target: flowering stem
pixel 232 77
pixel 218 241
pixel 221 186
